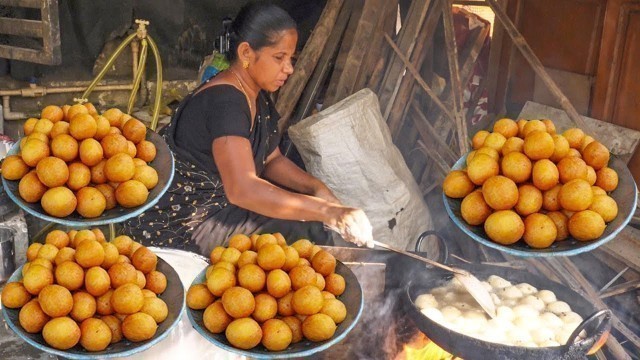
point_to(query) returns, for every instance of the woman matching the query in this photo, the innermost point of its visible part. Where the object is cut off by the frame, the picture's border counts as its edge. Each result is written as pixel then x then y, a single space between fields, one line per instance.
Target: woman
pixel 230 175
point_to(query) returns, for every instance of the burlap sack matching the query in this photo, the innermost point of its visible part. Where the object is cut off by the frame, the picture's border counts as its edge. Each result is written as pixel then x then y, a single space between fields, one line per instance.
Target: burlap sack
pixel 348 146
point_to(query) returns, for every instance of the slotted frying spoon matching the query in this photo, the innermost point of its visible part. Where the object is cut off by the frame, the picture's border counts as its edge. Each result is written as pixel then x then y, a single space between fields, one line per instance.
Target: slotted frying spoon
pixel 468 281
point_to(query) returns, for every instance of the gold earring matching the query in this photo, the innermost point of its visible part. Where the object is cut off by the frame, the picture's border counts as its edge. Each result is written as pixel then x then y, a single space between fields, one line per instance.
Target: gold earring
pixel 245 64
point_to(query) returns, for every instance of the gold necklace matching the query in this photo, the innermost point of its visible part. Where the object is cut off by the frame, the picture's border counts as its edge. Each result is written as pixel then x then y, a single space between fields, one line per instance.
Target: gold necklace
pixel 242 88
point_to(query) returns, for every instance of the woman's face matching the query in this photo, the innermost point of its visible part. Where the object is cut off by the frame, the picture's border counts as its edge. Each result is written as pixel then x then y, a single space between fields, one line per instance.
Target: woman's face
pixel 271 65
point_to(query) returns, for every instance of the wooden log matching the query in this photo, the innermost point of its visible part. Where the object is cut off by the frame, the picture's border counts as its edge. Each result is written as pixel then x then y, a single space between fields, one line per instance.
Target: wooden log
pixel 536 64
pixel 620 289
pixel 319 76
pixel 435 156
pixel 346 82
pixel 406 43
pixel 305 65
pixel 495 53
pixel 398 103
pixel 574 279
pixel 428 133
pixel 454 71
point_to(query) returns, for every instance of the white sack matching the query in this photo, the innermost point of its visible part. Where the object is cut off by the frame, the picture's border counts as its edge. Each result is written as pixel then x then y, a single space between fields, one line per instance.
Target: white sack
pixel 349 148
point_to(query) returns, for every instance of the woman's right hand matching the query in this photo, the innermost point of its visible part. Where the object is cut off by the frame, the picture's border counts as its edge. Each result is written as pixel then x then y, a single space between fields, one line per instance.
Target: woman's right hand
pixel 352 224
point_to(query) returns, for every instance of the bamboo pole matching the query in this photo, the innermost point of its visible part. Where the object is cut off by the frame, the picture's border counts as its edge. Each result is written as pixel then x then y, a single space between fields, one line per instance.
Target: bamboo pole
pixel 530 56
pixel 290 92
pixel 454 80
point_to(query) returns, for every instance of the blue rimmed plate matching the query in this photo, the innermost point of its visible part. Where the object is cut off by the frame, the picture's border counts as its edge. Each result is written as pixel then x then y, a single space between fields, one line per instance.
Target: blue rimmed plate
pixel 624 195
pixel 163 163
pixel 352 299
pixel 173 296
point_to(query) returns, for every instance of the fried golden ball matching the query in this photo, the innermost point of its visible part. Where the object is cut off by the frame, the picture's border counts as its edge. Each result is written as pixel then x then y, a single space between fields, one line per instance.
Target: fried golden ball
pixel 266 307
pixel 280 238
pixel 529 200
pixel 533 125
pixel 504 227
pixel 61 333
pixel 296 328
pixel 134 130
pixel 244 333
pixel 113 144
pixel 103 303
pixel 114 116
pixel 307 300
pixel 320 283
pixel 15 295
pixel 302 276
pixel 551 127
pixel 607 179
pixel 493 153
pixel 127 299
pixel 230 255
pixel 89 253
pixel 226 265
pixel 284 305
pixel 91 202
pixel 83 126
pixel 271 256
pixel 146 151
pixel 95 334
pixel 30 188
pixel 110 255
pixel 303 247
pixel 215 319
pixel 495 140
pixel 481 168
pixel 57 238
pixel 37 278
pixel 199 297
pixel 571 168
pixel 545 174
pixel 561 148
pixel 291 257
pixel 31 317
pixel 102 127
pixel 457 184
pixel 144 260
pixel 91 152
pixel 115 326
pixel 58 201
pixel 147 176
pixel 123 243
pixel 478 139
pixel 109 195
pixel 53 113
pixel 507 127
pixel 265 239
pixel 97 281
pixel 561 222
pixel 32 251
pixel 84 306
pixel 474 209
pixel 586 225
pixel 278 283
pixel 14 168
pixel 539 231
pixel 119 168
pixel 574 136
pixel 43 126
pixel 500 192
pixel 122 273
pixel 596 155
pixel 252 277
pixel 539 145
pixel 323 262
pixel 82 235
pixel 155 307
pixel 335 284
pixel 156 282
pixel 70 275
pixel 514 144
pixel 606 206
pixel 139 327
pixel 43 262
pixel 241 242
pixel 131 193
pixel 48 251
pixel 318 327
pixel 248 257
pixel 238 302
pixel 276 335
pixel 575 195
pixel 516 166
pixel 335 309
pixel 33 151
pixel 216 254
pixel 55 300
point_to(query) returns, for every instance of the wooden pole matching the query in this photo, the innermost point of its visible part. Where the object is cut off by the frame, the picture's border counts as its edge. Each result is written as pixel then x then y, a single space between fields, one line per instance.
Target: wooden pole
pixel 530 56
pixel 456 84
pixel 290 92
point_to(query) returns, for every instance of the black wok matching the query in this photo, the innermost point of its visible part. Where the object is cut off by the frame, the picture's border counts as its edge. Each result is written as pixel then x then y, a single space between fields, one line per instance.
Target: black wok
pixel 597 323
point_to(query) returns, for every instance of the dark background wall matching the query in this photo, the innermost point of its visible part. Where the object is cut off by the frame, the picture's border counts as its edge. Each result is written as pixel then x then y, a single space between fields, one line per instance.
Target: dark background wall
pixel 184 30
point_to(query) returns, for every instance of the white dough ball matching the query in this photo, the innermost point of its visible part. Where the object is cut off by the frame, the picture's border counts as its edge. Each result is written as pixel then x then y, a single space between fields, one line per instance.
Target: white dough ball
pixel 551 320
pixel 450 313
pixel 487 286
pixel 433 314
pixel 542 335
pixel 510 292
pixel 456 285
pixel 546 296
pixel 558 307
pixel 450 297
pixel 533 301
pixel 571 318
pixel 494 335
pixel 466 306
pixel 426 301
pixel 526 289
pixel 518 336
pixel 527 322
pixel 505 312
pixel 525 311
pixel 439 291
pixel 496 300
pixel 563 334
pixel 497 282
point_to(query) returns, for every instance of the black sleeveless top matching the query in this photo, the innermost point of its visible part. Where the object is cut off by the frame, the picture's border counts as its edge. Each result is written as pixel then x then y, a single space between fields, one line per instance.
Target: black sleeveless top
pixel 196 192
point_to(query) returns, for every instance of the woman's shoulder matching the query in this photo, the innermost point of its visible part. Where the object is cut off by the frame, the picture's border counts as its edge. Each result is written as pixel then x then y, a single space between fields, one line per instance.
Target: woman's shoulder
pixel 220 91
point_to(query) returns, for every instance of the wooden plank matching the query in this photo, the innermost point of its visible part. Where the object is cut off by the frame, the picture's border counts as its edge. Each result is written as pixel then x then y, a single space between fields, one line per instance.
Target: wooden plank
pixel 456 85
pixel 345 86
pixel 425 128
pixel 406 42
pixel 21 27
pixel 535 63
pixel 319 76
pixel 290 92
pixel 51 33
pixel 620 289
pixel 395 118
pixel 34 4
pixel 573 278
pixel 495 53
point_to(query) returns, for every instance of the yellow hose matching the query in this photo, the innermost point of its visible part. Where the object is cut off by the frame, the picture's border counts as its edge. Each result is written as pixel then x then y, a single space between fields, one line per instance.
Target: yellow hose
pixel 136 82
pixel 156 104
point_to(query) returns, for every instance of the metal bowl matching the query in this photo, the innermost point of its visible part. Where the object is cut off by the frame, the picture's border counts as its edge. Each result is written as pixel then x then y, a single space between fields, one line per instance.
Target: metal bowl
pixel 163 163
pixel 173 296
pixel 352 299
pixel 624 195
pixel 597 324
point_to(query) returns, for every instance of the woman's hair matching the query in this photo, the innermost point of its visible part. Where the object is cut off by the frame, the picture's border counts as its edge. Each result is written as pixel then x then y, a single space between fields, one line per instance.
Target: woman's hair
pixel 259 25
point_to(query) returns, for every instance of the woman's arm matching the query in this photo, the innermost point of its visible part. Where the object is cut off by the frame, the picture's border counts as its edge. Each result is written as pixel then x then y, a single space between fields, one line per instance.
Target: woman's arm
pixel 234 160
pixel 282 171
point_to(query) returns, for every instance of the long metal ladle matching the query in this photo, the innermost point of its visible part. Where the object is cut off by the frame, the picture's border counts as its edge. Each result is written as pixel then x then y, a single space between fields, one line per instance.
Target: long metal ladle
pixel 468 281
